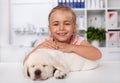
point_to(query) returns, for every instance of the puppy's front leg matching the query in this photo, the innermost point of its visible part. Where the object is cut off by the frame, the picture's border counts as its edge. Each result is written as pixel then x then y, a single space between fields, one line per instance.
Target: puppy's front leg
pixel 60 70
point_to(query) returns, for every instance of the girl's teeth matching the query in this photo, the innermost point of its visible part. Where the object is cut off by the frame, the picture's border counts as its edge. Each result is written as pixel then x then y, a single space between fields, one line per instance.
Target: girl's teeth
pixel 62 34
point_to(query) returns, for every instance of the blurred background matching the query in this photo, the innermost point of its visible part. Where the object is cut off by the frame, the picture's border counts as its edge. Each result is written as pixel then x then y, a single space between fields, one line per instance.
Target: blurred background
pixel 24 22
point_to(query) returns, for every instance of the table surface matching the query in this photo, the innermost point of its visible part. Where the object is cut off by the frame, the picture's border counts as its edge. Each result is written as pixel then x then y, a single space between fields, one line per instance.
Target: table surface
pixel 107 72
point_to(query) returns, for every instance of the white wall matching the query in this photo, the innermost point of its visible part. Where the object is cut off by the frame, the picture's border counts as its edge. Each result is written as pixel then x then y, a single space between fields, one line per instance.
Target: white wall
pixel 0 28
pixel 4 23
pixel 10 53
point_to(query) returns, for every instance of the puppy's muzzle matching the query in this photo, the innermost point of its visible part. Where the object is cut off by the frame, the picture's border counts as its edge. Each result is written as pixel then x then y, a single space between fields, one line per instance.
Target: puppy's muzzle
pixel 37 73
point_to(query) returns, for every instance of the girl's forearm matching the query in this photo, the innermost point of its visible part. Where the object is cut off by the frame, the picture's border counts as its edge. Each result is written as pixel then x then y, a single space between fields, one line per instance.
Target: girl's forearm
pixel 88 52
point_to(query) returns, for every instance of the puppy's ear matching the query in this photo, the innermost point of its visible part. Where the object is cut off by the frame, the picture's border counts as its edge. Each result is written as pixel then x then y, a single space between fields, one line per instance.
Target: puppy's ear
pixel 26 71
pixel 28 74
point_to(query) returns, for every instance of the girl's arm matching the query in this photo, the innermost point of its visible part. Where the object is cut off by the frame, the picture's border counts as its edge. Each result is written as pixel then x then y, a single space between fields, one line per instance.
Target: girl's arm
pixel 87 50
pixel 45 44
pixel 84 49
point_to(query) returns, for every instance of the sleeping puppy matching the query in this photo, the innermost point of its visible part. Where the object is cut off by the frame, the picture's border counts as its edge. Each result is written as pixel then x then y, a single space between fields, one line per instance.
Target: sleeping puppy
pixel 45 63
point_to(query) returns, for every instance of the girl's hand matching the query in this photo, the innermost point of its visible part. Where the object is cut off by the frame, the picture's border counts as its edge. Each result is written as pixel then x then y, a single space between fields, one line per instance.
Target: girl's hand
pixel 65 47
pixel 48 44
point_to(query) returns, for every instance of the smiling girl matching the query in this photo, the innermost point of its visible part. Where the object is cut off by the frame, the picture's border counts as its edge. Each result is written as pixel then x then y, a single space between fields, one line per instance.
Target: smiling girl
pixel 62 27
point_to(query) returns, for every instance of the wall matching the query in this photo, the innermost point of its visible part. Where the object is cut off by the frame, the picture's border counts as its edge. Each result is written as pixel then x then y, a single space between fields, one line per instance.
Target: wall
pixel 4 26
pixel 8 53
pixel 0 30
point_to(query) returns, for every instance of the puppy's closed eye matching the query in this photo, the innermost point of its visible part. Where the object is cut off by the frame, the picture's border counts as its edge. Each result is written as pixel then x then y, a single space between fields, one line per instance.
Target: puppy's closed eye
pixel 44 65
pixel 32 65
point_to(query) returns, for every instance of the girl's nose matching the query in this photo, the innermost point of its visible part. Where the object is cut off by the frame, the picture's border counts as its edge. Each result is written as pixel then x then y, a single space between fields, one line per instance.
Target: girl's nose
pixel 61 27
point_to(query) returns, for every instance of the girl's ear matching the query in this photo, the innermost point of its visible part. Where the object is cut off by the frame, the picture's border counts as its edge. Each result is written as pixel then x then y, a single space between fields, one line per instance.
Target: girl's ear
pixel 49 29
pixel 75 28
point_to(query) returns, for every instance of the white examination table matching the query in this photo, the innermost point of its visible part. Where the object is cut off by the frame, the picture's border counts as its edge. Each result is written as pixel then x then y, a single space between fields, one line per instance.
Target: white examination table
pixel 108 72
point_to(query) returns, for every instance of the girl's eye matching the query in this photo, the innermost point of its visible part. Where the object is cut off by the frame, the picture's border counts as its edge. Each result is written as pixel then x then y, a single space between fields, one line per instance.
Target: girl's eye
pixel 67 23
pixel 55 24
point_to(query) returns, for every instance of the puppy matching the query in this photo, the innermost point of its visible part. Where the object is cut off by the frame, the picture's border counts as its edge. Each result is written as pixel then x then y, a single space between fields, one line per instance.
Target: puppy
pixel 45 63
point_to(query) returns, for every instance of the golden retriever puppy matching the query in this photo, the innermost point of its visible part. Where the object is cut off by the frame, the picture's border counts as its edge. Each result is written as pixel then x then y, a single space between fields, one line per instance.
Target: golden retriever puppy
pixel 45 63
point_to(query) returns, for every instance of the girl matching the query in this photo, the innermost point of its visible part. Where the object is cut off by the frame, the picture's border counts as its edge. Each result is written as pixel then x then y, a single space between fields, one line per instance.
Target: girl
pixel 62 27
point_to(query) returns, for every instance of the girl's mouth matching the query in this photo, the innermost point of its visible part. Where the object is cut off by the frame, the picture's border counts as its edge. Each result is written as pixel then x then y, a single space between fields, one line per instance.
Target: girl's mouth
pixel 61 34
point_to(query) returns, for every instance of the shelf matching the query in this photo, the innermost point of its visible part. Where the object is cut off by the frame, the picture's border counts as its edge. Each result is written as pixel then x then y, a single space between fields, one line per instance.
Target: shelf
pixel 96 9
pixel 78 9
pixel 114 8
pixel 83 9
pixel 114 29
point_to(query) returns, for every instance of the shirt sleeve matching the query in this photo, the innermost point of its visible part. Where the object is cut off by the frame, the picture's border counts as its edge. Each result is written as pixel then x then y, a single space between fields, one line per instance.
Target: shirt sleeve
pixel 80 40
pixel 77 39
pixel 39 41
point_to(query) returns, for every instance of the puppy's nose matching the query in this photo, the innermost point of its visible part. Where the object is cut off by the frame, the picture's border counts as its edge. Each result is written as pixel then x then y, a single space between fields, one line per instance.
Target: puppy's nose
pixel 37 73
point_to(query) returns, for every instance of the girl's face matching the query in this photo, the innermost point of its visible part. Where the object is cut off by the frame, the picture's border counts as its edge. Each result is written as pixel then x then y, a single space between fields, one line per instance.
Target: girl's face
pixel 61 26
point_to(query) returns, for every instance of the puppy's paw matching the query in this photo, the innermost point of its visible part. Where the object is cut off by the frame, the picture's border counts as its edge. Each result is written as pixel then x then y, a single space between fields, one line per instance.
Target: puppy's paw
pixel 59 74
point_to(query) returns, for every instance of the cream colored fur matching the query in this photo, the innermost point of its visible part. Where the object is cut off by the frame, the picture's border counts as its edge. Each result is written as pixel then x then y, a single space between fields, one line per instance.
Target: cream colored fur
pixel 55 63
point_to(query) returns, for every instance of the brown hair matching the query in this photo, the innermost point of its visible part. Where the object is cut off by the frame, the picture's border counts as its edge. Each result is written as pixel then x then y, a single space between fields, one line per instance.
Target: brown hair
pixel 63 8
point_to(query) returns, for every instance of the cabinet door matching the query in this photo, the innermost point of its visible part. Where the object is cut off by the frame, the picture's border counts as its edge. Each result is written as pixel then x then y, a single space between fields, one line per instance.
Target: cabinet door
pixel 113 23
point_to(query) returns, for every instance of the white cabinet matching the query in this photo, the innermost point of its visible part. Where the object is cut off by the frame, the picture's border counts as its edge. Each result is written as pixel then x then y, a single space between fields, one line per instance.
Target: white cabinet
pixel 106 15
pixel 113 23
